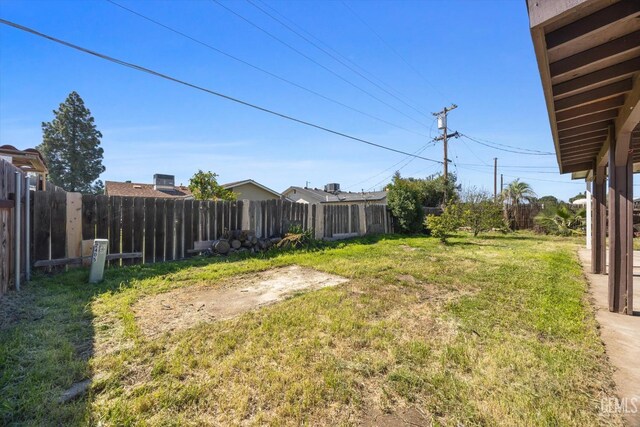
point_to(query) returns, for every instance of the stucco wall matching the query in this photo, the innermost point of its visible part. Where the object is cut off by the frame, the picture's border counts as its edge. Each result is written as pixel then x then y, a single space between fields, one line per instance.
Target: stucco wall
pixel 252 192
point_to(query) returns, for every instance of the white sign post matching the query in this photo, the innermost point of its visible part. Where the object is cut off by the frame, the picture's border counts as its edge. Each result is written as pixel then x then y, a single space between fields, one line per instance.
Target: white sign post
pixel 98 259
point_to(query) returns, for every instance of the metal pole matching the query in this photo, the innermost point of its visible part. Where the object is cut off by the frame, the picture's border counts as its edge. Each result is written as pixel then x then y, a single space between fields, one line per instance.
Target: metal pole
pixel 446 161
pixel 495 179
pixel 17 226
pixel 27 228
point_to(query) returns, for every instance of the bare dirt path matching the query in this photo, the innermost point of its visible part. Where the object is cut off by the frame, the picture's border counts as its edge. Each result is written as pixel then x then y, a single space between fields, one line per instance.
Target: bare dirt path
pixel 185 307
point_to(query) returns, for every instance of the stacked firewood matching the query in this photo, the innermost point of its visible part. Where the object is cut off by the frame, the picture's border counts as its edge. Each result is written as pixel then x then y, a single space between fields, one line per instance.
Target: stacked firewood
pixel 242 241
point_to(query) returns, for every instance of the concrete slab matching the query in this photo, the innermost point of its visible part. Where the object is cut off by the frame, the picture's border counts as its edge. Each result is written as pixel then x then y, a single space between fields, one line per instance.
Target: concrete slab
pixel 621 336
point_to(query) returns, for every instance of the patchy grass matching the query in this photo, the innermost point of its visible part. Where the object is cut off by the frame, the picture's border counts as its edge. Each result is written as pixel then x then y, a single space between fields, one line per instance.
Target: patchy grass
pixel 493 330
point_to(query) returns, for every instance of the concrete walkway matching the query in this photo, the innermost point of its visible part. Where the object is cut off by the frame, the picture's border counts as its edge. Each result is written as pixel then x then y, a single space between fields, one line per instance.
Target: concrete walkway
pixel 621 336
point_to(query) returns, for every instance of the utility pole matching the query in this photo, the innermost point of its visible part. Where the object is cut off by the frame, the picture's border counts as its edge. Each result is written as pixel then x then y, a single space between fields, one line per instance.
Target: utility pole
pixel 442 124
pixel 495 179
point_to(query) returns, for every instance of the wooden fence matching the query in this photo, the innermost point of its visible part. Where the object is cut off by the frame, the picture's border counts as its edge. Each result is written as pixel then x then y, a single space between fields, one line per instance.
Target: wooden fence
pixel 8 217
pixel 163 229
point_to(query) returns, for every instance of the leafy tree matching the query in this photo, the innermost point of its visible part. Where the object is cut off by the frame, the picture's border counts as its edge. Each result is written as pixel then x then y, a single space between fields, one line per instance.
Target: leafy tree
pixel 406 198
pixel 404 202
pixel 480 212
pixel 517 193
pixel 204 186
pixel 578 196
pixel 548 202
pixel 71 147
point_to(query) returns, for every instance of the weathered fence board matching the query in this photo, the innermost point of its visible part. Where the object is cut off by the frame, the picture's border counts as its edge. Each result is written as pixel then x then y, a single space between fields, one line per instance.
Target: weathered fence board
pixel 169 230
pixel 126 228
pixel 115 218
pixel 9 213
pixel 159 230
pixel 102 212
pixel 149 230
pixel 89 216
pixel 138 228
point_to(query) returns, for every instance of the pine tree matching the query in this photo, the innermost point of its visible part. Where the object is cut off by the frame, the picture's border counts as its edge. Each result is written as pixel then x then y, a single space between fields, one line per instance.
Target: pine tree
pixel 71 147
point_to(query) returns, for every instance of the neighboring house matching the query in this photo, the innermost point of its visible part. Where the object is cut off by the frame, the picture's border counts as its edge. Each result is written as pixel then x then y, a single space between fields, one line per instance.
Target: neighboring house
pixel 249 189
pixel 163 186
pixel 331 194
pixel 29 161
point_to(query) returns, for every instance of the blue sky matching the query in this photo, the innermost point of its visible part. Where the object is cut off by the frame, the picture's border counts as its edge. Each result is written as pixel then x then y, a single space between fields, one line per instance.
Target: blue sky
pixel 477 54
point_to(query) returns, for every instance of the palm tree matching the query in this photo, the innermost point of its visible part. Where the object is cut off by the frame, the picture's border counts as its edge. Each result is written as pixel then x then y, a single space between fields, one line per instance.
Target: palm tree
pixel 517 193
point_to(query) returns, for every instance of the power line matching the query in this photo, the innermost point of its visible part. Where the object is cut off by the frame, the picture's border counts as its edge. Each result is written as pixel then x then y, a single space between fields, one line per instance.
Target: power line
pixel 523 177
pixel 345 58
pixel 262 70
pixel 415 70
pixel 304 55
pixel 510 149
pixel 512 166
pixel 331 55
pixel 408 161
pixel 419 151
pixel 203 89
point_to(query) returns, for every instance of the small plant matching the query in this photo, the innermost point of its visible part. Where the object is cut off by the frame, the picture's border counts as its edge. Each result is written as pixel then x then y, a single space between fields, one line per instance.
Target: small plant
pixel 561 221
pixel 444 225
pixel 480 212
pixel 297 237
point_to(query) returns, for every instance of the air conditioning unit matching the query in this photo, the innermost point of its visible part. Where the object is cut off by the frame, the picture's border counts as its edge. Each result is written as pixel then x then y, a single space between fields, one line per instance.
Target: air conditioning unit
pixel 163 182
pixel 333 187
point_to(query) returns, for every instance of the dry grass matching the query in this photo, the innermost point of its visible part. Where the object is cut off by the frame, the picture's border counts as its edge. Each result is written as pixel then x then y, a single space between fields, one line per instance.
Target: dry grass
pixel 486 331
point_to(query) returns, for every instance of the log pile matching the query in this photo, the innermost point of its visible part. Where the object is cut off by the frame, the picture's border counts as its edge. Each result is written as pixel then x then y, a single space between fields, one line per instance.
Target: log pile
pixel 242 241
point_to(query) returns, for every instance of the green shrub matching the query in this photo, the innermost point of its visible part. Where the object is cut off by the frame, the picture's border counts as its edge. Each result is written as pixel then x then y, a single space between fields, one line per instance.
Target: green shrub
pixel 442 226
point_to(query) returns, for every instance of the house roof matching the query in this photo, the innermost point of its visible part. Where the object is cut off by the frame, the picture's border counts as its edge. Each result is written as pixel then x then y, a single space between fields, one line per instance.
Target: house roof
pixel 114 188
pixel 315 195
pixel 232 185
pixel 29 160
pixel 588 54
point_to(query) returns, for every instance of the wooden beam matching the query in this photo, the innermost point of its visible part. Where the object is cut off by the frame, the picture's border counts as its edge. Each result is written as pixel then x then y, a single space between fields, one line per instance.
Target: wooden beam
pixel 600 133
pixel 544 12
pixel 568 152
pixel 7 204
pixel 583 129
pixel 590 118
pixel 605 75
pixel 620 231
pixel 595 107
pixel 589 142
pixel 599 222
pixel 603 155
pixel 629 116
pixel 78 260
pixel 593 95
pixel 576 167
pixel 580 158
pixel 539 45
pixel 595 54
pixel 593 22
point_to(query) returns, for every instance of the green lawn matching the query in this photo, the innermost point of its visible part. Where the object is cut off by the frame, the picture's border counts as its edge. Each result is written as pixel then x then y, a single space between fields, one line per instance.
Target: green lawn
pixel 490 331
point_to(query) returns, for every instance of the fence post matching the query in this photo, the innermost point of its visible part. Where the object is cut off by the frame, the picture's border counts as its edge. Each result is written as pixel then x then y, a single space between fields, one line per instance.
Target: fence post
pixel 17 229
pixel 246 220
pixel 319 226
pixel 27 229
pixel 363 219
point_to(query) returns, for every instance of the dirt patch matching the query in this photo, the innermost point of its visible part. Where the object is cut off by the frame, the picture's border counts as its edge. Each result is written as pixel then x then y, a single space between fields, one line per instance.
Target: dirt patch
pixel 401 417
pixel 182 308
